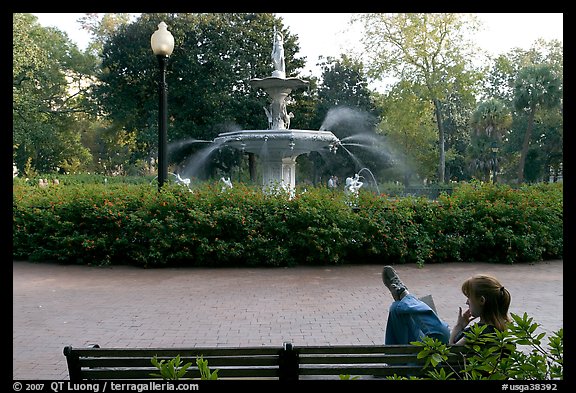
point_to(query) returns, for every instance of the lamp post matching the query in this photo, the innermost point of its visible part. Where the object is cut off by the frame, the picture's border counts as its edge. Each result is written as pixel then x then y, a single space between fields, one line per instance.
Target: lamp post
pixel 494 149
pixel 162 43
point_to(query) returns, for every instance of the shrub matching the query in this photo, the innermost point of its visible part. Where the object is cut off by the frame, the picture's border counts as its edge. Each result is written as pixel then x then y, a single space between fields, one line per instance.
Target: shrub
pixel 121 223
pixel 517 353
pixel 173 369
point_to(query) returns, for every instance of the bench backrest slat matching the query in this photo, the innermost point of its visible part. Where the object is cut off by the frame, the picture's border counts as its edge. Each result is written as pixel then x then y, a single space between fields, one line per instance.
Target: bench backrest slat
pixel 355 349
pixel 284 363
pixel 388 360
pixel 213 361
pixel 173 352
pixel 144 373
pixel 365 370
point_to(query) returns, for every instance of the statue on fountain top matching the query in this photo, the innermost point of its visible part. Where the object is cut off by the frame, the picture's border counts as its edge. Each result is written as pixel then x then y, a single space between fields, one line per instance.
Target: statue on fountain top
pixel 278 87
pixel 278 116
pixel 278 55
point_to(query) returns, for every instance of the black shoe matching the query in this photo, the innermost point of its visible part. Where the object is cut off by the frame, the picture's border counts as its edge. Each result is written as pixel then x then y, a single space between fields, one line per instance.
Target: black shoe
pixel 393 282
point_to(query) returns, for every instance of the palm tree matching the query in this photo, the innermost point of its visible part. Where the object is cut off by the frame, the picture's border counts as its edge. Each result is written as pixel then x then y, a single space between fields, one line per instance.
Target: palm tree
pixel 490 122
pixel 537 86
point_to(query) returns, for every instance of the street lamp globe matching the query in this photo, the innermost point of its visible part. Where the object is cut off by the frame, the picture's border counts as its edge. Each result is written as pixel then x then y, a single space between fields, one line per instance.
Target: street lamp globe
pixel 162 41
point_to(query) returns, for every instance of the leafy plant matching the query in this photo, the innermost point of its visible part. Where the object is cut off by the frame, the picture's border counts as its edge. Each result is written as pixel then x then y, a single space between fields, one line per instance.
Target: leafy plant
pixel 172 369
pixel 517 353
pixel 346 377
pixel 205 370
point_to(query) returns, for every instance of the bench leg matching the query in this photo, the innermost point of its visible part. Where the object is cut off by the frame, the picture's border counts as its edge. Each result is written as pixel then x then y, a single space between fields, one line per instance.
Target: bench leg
pixel 289 363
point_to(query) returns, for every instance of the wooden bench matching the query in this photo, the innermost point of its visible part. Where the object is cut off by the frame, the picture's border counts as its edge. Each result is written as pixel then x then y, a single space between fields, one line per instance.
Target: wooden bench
pixel 285 363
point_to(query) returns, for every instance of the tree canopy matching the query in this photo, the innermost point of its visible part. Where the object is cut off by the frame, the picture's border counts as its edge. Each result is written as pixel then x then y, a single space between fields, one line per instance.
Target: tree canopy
pixel 214 58
pixel 97 110
pixel 47 97
pixel 429 50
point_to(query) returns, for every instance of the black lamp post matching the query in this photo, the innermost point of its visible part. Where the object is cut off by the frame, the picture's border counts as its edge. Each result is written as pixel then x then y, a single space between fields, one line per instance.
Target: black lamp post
pixel 494 149
pixel 162 43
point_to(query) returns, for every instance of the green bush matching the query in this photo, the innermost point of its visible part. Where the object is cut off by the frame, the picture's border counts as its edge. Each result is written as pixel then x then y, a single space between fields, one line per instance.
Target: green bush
pixel 129 223
pixel 173 369
pixel 517 353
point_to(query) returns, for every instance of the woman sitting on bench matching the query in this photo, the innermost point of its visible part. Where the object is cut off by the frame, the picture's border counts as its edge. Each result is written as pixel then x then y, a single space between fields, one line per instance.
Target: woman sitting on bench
pixel 410 319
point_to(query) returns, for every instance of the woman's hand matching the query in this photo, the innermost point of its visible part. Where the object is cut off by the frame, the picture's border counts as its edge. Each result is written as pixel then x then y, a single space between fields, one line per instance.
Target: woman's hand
pixel 464 318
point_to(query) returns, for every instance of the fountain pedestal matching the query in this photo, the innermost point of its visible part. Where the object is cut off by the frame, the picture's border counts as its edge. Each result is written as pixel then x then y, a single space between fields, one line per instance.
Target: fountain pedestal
pixel 278 89
pixel 274 169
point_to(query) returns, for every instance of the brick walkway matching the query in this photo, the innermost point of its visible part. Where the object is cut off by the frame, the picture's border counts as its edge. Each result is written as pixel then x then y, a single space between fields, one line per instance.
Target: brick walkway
pixel 121 306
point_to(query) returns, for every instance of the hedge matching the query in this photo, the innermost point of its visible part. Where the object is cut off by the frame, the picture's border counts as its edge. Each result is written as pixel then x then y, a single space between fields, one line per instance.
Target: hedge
pixel 121 223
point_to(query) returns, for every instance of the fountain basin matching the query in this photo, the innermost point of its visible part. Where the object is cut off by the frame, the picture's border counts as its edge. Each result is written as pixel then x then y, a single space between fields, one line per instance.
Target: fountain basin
pixel 278 83
pixel 286 143
pixel 278 150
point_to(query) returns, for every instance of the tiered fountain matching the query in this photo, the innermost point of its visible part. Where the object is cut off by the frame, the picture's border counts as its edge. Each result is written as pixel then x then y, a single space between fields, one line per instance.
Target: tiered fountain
pixel 279 146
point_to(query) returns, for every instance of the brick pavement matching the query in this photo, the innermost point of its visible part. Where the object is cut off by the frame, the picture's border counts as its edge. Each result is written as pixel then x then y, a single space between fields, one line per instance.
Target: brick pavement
pixel 123 306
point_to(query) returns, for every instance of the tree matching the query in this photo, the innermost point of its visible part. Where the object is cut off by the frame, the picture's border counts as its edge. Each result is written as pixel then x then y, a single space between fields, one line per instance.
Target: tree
pixel 48 95
pixel 410 131
pixel 215 56
pixel 458 106
pixel 344 84
pixel 536 87
pixel 502 71
pixel 547 134
pixel 430 50
pixel 490 123
pixel 102 28
pixel 346 107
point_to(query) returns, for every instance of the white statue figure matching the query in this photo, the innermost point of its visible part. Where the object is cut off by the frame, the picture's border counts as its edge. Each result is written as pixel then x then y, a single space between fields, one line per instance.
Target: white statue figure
pixel 14 170
pixel 353 185
pixel 182 181
pixel 284 118
pixel 278 55
pixel 227 183
pixel 278 114
pixel 287 118
pixel 357 181
pixel 348 183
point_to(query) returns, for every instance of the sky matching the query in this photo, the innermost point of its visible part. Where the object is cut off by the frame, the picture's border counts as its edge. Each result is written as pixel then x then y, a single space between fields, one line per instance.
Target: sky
pixel 329 34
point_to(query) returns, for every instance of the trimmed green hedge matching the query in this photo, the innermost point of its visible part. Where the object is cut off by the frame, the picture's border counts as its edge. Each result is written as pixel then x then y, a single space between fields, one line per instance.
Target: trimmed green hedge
pixel 119 223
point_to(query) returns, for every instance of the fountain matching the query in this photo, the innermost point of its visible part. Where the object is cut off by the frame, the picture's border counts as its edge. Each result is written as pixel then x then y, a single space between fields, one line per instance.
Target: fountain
pixel 279 146
pixel 373 178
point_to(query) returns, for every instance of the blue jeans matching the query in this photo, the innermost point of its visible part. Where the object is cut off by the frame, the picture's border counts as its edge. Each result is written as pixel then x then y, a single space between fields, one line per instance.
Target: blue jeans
pixel 410 319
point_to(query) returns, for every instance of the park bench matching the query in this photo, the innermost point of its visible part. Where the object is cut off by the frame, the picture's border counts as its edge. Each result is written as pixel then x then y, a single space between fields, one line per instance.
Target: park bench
pixel 284 363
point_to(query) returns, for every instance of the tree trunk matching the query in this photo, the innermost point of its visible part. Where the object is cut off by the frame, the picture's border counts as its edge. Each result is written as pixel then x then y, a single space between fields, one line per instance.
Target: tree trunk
pixel 406 178
pixel 526 145
pixel 442 162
